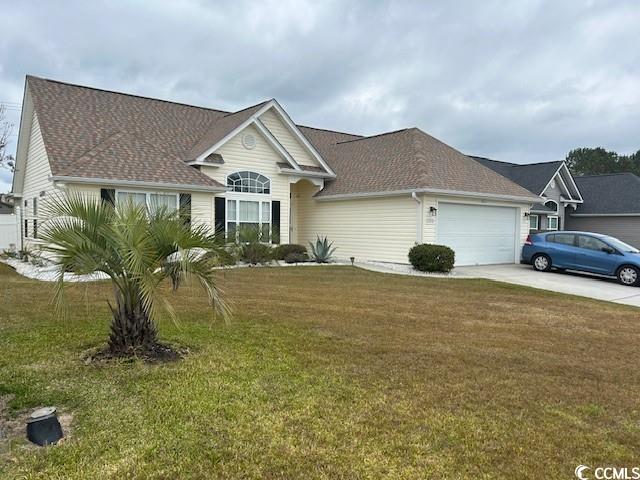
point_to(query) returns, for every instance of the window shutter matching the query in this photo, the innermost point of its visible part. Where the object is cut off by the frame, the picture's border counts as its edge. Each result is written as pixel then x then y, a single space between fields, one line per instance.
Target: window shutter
pixel 220 215
pixel 185 208
pixel 108 195
pixel 275 221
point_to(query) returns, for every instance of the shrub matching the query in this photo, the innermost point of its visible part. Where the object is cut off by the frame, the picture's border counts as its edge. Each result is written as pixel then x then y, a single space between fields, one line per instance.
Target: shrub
pixel 322 251
pixel 256 252
pixel 227 256
pixel 432 258
pixel 10 253
pixel 281 251
pixel 295 257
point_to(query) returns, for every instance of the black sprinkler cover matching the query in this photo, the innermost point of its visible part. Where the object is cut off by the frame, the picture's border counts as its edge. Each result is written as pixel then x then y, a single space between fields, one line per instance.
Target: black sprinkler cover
pixel 43 427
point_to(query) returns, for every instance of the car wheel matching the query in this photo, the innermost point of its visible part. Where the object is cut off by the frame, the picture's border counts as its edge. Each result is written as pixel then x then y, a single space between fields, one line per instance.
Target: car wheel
pixel 541 263
pixel 629 275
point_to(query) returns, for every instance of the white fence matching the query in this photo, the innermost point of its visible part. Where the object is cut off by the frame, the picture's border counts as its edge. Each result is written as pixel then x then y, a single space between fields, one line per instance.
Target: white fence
pixel 8 231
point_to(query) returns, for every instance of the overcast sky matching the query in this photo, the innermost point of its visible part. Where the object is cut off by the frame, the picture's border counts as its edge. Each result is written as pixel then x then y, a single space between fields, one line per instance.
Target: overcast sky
pixel 522 81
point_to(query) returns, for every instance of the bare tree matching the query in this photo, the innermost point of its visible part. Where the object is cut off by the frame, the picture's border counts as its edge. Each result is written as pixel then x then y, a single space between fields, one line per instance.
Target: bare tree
pixel 6 129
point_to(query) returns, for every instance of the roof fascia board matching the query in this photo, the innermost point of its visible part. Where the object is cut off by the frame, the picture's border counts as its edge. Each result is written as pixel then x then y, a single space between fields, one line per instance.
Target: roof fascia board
pixel 573 183
pixel 605 214
pixel 458 193
pixel 305 173
pixel 24 134
pixel 136 183
pixel 293 128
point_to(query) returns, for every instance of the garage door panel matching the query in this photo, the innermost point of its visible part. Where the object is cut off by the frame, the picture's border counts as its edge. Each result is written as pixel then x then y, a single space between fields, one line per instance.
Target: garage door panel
pixel 478 234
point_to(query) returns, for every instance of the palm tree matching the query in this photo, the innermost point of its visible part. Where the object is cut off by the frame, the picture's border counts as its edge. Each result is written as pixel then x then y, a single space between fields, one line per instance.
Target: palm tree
pixel 137 249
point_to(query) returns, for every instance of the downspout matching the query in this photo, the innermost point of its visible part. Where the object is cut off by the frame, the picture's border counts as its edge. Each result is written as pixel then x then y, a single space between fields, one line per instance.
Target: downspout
pixel 414 195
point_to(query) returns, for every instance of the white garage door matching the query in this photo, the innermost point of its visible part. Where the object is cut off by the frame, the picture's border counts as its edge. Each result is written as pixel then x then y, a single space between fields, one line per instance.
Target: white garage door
pixel 480 235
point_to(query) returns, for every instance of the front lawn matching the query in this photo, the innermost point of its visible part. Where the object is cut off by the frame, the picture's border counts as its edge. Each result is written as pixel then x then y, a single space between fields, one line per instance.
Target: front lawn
pixel 330 372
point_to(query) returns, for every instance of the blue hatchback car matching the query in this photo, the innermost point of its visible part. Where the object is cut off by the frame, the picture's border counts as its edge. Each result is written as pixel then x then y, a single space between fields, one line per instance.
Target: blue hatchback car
pixel 585 252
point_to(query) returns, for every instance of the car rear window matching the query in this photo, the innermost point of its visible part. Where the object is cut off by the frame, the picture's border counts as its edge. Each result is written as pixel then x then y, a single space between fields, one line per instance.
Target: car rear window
pixel 563 238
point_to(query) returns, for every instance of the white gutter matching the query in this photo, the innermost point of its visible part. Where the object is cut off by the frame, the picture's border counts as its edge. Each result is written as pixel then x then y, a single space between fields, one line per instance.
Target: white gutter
pixel 414 195
pixel 136 183
pixel 458 193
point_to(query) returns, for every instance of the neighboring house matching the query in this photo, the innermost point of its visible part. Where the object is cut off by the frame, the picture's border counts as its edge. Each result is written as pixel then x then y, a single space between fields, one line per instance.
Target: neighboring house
pixel 6 204
pixel 374 197
pixel 607 204
pixel 611 206
pixel 552 181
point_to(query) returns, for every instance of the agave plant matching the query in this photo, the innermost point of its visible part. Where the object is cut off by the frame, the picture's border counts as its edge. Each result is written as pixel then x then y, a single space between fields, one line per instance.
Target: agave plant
pixel 138 250
pixel 322 251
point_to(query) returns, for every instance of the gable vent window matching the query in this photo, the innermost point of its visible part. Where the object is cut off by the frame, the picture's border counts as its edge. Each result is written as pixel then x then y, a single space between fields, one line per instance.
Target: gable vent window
pixel 248 182
pixel 249 141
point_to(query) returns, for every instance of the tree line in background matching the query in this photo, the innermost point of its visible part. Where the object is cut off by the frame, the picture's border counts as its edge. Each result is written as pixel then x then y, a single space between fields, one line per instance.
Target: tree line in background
pixel 6 128
pixel 595 161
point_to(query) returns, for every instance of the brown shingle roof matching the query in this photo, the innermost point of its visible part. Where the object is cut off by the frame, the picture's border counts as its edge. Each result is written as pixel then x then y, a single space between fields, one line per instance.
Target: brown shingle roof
pixel 135 137
pixel 101 134
pixel 404 160
pixel 126 157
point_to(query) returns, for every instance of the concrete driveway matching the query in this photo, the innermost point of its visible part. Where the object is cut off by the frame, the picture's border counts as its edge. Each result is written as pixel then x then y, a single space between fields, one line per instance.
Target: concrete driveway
pixel 572 283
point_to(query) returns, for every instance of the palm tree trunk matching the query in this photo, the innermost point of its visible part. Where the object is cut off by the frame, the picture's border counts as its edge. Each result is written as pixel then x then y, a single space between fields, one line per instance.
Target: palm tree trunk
pixel 131 328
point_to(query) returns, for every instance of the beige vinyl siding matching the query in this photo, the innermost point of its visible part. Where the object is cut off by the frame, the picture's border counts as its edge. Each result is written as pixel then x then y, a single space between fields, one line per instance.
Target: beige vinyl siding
pixel 381 229
pixel 291 144
pixel 262 159
pixel 201 202
pixel 202 209
pixel 626 229
pixel 36 178
pixel 90 191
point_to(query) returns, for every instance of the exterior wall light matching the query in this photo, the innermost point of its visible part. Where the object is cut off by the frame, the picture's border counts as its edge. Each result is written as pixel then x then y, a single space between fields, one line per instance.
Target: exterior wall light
pixel 353 259
pixel 433 210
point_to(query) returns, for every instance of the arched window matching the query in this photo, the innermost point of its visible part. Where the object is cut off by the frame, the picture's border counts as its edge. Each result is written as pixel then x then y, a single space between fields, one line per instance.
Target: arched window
pixel 552 204
pixel 248 182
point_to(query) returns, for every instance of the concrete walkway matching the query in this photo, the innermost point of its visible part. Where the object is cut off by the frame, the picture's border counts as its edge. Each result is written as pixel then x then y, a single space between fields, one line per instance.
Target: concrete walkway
pixel 572 283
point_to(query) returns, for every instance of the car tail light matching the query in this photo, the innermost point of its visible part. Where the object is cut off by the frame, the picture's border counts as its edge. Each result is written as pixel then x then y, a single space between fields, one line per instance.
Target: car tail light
pixel 528 241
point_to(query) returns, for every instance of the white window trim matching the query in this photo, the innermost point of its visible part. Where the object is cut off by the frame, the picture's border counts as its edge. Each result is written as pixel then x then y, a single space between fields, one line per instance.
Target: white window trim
pixel 537 217
pixel 552 200
pixel 147 194
pixel 557 222
pixel 232 192
pixel 246 197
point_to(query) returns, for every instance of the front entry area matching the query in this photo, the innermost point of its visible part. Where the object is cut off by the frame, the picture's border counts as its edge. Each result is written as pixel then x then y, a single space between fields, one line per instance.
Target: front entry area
pixel 479 234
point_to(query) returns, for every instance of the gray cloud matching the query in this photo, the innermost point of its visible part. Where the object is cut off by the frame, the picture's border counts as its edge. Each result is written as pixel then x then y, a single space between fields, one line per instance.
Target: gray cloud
pixel 522 81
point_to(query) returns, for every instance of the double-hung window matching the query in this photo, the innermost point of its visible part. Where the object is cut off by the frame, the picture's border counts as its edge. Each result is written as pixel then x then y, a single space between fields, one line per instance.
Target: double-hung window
pixel 248 218
pixel 533 222
pixel 552 223
pixel 248 208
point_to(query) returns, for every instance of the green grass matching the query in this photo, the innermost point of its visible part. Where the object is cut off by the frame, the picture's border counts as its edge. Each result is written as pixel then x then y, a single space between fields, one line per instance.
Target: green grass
pixel 330 372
